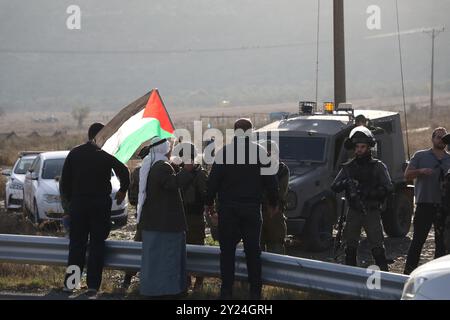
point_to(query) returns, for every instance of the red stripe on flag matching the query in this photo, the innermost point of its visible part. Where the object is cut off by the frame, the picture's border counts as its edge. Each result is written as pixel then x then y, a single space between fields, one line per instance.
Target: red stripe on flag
pixel 155 109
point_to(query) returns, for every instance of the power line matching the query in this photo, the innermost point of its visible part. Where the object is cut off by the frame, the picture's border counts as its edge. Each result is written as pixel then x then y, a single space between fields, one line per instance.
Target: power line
pixel 434 33
pixel 160 51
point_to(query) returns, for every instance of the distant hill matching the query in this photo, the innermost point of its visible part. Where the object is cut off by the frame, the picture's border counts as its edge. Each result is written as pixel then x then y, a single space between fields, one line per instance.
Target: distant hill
pixel 201 52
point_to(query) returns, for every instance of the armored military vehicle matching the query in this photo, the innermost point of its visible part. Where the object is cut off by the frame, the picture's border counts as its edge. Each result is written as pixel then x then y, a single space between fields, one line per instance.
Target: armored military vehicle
pixel 312 145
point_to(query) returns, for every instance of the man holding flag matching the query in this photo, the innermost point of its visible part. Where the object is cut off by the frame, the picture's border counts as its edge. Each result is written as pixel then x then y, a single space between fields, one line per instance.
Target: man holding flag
pixel 145 124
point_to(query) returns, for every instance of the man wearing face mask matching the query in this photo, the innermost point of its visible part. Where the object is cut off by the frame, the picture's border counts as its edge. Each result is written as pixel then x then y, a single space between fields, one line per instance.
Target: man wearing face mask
pixel 428 168
pixel 367 183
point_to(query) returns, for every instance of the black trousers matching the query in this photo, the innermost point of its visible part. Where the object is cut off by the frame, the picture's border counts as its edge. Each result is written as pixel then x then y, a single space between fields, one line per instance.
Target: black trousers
pixel 236 223
pixel 426 215
pixel 90 224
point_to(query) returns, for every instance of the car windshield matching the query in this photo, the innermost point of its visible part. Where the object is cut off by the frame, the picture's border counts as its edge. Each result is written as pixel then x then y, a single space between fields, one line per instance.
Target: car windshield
pixel 23 165
pixel 52 168
pixel 302 149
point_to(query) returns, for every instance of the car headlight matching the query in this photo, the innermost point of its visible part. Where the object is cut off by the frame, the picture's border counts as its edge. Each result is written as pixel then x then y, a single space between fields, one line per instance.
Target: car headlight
pixel 16 186
pixel 412 286
pixel 291 200
pixel 51 198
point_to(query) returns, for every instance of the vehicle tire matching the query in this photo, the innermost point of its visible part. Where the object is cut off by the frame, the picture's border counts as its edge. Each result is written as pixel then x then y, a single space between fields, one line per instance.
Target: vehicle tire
pixel 35 214
pixel 397 218
pixel 318 234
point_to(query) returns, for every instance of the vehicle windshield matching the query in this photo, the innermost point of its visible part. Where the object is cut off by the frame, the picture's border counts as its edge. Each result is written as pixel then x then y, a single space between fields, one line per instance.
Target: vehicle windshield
pixel 52 168
pixel 23 165
pixel 302 149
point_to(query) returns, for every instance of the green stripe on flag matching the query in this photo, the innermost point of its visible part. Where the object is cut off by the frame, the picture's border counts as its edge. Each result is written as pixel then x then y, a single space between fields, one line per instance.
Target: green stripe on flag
pixel 134 140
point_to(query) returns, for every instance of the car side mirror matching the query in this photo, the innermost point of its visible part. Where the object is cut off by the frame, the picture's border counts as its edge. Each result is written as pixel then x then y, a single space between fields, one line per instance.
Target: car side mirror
pixel 34 176
pixel 6 173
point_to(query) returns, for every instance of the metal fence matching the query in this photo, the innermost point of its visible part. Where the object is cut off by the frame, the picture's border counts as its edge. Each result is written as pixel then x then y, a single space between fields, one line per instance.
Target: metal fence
pixel 277 270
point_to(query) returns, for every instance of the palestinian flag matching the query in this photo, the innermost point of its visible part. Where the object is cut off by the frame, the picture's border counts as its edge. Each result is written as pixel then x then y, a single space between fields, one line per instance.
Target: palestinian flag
pixel 140 121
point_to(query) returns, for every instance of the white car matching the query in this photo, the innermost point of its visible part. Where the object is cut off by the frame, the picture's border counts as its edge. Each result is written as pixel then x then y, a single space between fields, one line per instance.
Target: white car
pixel 16 177
pixel 430 281
pixel 41 190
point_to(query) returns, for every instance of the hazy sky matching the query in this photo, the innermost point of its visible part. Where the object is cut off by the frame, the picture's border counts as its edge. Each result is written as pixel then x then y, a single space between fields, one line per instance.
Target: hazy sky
pixel 200 52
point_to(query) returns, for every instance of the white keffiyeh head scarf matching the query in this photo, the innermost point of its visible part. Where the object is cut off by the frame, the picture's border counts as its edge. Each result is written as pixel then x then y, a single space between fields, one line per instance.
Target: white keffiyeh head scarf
pixel 159 148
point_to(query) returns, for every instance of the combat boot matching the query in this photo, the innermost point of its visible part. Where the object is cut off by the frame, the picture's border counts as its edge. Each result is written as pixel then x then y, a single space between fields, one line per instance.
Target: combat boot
pixel 380 258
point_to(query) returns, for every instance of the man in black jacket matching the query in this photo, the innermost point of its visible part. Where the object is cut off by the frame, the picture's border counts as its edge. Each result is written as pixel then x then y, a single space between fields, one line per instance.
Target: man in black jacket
pixel 86 185
pixel 239 183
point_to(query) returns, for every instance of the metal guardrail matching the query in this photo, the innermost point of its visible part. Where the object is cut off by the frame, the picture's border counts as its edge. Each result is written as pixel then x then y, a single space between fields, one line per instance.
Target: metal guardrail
pixel 277 270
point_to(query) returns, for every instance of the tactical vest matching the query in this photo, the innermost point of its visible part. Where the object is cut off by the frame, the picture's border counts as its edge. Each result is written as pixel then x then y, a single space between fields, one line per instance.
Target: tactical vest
pixel 366 175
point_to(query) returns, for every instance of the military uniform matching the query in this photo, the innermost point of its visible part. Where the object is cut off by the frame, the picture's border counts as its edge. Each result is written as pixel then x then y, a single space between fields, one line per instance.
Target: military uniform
pixel 273 233
pixel 194 201
pixel 133 193
pixel 367 183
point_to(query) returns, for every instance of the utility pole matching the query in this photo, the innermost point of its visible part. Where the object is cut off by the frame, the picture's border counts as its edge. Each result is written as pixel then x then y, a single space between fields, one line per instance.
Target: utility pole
pixel 434 33
pixel 339 52
pixel 317 52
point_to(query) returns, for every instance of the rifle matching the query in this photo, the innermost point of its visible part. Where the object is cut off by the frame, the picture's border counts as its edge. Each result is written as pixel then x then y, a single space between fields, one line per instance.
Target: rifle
pixel 353 192
pixel 338 239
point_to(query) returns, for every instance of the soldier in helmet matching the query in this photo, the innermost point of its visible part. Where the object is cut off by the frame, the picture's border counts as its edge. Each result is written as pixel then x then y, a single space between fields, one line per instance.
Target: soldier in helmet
pixel 194 194
pixel 361 120
pixel 367 183
pixel 274 228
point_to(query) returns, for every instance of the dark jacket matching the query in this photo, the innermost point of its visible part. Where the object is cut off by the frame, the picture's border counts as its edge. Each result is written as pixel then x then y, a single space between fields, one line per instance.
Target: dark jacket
pixel 240 184
pixel 87 172
pixel 163 207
